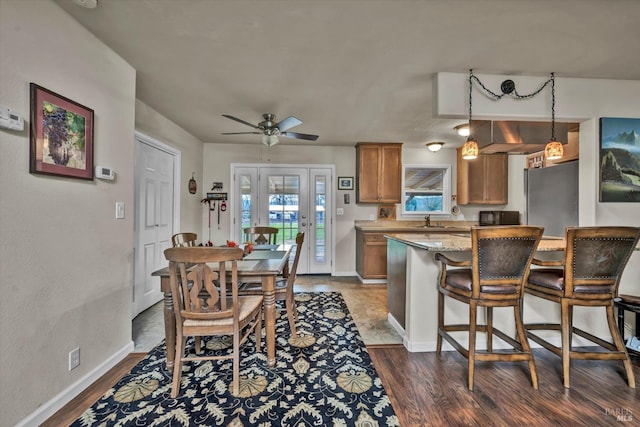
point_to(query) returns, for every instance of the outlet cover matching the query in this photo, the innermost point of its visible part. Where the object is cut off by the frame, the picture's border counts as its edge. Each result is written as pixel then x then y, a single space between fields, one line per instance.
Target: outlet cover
pixel 74 358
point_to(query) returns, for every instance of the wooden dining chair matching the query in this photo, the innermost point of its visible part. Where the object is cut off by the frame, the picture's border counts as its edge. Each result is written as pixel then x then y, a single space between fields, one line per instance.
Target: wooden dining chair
pixel 494 277
pixel 588 276
pixel 284 287
pixel 261 235
pixel 204 309
pixel 184 239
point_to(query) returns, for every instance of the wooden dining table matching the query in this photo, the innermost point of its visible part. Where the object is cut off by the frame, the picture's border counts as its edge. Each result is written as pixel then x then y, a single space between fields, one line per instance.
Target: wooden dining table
pixel 266 263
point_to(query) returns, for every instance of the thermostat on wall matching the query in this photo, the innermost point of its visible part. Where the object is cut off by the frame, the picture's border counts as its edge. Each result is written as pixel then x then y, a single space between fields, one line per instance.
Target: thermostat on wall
pixel 10 119
pixel 105 173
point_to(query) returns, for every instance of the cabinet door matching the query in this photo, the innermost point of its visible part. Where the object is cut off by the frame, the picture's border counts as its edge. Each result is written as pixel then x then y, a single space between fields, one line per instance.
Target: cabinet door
pixel 368 165
pixel 496 179
pixel 389 181
pixel 375 256
pixel 483 181
pixel 476 184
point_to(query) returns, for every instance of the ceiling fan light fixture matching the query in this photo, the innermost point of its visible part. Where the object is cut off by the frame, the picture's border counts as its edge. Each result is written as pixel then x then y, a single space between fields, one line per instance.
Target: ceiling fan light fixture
pixel 270 140
pixel 463 129
pixel 434 146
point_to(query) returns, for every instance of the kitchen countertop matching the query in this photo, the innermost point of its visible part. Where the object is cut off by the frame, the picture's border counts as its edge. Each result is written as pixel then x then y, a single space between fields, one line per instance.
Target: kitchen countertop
pixel 449 242
pixel 414 226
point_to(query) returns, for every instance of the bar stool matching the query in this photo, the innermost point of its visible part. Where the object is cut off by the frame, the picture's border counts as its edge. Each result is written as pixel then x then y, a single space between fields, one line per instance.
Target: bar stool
pixel 498 271
pixel 588 276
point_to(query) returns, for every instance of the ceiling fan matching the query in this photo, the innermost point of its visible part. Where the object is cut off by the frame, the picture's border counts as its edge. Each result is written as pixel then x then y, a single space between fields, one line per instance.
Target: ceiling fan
pixel 271 130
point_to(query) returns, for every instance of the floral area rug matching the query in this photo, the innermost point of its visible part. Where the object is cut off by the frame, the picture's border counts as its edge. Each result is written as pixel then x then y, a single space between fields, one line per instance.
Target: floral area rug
pixel 324 377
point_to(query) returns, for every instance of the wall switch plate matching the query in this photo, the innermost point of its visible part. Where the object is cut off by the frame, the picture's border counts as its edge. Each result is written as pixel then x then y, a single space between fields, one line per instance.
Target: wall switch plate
pixel 340 211
pixel 74 358
pixel 119 210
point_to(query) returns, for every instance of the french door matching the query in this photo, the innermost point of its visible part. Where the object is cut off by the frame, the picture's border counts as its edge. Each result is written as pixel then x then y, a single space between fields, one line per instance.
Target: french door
pixel 292 198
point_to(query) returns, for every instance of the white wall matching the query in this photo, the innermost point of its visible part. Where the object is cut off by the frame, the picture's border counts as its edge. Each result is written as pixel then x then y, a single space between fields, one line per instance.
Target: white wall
pixel 65 261
pixel 155 125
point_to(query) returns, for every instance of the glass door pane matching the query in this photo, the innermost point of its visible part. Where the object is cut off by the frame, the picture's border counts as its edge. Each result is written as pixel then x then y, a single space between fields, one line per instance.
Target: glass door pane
pixel 319 235
pixel 284 203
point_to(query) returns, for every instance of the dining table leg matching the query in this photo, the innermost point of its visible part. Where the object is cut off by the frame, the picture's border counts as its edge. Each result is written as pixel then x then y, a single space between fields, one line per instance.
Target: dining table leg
pixel 169 322
pixel 269 295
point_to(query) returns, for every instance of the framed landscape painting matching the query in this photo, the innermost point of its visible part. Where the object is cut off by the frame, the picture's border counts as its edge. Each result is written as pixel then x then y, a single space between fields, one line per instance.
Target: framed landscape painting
pixel 619 160
pixel 61 135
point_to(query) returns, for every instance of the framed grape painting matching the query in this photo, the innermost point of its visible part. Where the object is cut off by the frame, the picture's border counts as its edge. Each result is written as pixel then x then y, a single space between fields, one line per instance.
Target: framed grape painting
pixel 61 135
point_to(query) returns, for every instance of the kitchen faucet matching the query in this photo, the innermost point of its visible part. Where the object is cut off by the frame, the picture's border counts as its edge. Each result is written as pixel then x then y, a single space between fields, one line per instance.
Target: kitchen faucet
pixel 427 220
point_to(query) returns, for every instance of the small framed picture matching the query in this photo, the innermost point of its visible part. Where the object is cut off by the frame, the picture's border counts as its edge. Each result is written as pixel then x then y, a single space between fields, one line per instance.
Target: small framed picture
pixel 345 183
pixel 61 135
pixel 386 211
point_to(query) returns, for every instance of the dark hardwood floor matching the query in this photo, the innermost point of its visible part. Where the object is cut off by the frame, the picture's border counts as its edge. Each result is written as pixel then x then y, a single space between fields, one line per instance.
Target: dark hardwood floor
pixel 427 389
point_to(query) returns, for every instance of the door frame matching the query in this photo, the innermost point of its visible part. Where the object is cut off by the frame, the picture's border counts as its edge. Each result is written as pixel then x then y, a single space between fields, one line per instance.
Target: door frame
pixel 332 194
pixel 139 138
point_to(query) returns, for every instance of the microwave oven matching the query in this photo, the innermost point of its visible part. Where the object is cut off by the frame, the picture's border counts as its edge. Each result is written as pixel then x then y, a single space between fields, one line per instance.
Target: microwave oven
pixel 499 218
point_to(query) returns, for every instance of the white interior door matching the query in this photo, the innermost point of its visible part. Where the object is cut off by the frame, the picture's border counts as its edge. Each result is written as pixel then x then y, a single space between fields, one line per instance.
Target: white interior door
pixel 154 193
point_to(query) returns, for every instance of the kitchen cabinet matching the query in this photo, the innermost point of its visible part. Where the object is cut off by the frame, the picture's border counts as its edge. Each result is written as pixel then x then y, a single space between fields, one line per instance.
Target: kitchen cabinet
pixel 371 248
pixel 484 180
pixel 371 255
pixel 378 172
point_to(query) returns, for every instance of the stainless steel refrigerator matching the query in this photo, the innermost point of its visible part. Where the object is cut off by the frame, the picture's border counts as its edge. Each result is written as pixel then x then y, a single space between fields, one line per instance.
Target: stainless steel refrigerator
pixel 552 197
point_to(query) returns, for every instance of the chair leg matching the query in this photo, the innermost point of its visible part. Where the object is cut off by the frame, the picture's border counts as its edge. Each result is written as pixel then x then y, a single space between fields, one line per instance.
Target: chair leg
pixel 258 331
pixel 177 365
pixel 526 348
pixel 615 334
pixel 472 340
pixel 290 305
pixel 440 322
pixel 565 330
pixel 235 387
pixel 198 341
pixel 489 328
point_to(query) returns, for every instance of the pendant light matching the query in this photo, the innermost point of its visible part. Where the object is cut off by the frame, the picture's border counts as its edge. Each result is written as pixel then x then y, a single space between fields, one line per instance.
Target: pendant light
pixel 470 147
pixel 553 149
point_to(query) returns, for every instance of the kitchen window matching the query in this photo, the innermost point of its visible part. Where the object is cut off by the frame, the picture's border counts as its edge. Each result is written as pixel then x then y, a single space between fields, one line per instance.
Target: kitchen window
pixel 426 189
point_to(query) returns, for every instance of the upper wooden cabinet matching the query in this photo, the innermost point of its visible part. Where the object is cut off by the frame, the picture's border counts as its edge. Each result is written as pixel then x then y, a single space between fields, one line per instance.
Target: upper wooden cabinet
pixel 484 180
pixel 378 172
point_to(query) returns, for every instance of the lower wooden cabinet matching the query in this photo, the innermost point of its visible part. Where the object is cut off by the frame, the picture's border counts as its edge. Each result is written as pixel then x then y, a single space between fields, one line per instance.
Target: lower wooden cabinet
pixel 371 255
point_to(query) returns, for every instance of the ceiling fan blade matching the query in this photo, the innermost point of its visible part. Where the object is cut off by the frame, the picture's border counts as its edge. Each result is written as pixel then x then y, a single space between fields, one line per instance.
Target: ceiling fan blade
pixel 299 135
pixel 288 123
pixel 240 120
pixel 241 133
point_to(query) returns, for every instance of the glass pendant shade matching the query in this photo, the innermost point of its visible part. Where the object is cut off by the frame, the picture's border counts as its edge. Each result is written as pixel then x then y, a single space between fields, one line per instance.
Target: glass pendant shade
pixel 554 150
pixel 470 149
pixel 270 140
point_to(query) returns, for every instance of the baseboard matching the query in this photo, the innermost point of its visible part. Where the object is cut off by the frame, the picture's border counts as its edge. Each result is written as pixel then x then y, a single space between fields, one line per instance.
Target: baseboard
pixel 370 281
pixel 344 273
pixel 396 325
pixel 52 406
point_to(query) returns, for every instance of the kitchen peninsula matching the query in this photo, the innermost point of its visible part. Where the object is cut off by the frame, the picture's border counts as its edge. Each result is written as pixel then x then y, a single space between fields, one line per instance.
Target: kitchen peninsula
pixel 371 244
pixel 412 280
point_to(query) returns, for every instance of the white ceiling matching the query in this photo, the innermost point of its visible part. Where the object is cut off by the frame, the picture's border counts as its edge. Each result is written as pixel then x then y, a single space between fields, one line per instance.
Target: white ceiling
pixel 351 70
